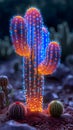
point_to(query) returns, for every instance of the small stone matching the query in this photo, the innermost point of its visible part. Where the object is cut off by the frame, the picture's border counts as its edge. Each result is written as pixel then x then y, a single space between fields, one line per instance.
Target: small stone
pixel 9 88
pixel 18 96
pixel 69 110
pixel 61 72
pixel 16 66
pixel 71 103
pixel 68 82
pixel 69 61
pixel 48 97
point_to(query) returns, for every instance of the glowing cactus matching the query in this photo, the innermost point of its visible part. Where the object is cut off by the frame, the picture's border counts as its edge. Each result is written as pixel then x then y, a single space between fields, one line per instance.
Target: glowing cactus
pixel 34 24
pixel 41 56
pixel 18 34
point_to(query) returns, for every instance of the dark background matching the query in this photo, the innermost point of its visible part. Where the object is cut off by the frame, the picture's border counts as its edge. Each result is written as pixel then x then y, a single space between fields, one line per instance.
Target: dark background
pixel 54 12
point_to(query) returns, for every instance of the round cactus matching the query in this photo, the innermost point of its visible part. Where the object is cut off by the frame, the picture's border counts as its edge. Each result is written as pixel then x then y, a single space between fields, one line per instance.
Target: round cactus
pixel 55 108
pixel 2 98
pixel 3 81
pixel 17 111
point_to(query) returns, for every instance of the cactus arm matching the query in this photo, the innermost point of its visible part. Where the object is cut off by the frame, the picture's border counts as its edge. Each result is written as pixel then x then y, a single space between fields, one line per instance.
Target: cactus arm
pixel 49 65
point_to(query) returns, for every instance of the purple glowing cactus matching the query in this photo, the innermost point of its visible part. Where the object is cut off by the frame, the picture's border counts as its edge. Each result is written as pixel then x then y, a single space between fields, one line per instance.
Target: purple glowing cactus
pixel 42 57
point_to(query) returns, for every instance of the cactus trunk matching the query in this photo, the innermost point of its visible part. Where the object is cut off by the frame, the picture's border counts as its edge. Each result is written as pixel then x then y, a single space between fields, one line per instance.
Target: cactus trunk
pixel 33 86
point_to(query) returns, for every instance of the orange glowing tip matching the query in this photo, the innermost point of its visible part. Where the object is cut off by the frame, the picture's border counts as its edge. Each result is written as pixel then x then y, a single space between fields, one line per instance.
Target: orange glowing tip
pixel 26 51
pixel 18 17
pixel 50 63
pixel 31 10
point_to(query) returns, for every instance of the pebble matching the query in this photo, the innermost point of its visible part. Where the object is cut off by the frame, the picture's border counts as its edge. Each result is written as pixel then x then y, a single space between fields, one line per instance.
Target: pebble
pixel 61 72
pixel 69 61
pixel 18 96
pixel 48 97
pixel 68 82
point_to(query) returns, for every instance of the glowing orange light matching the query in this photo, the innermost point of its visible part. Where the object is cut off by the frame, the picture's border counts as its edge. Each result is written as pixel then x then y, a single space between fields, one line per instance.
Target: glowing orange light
pixel 45 70
pixel 25 51
pixel 34 103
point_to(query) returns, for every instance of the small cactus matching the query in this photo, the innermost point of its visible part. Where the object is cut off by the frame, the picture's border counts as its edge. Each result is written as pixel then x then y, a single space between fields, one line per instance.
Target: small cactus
pixel 55 108
pixel 2 98
pixel 17 111
pixel 4 83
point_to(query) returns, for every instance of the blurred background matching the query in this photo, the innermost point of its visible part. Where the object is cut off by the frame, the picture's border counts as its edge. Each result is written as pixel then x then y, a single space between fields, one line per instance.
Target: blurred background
pixel 57 15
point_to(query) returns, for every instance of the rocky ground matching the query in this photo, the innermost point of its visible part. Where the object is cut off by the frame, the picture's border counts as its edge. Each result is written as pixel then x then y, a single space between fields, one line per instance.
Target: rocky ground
pixel 57 86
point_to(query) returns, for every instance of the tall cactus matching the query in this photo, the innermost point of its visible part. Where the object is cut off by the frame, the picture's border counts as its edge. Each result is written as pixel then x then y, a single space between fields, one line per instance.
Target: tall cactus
pixel 34 24
pixel 31 40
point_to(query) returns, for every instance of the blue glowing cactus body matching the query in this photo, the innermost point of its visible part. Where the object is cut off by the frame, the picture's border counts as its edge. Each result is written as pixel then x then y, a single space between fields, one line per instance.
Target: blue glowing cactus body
pixel 34 24
pixel 45 42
